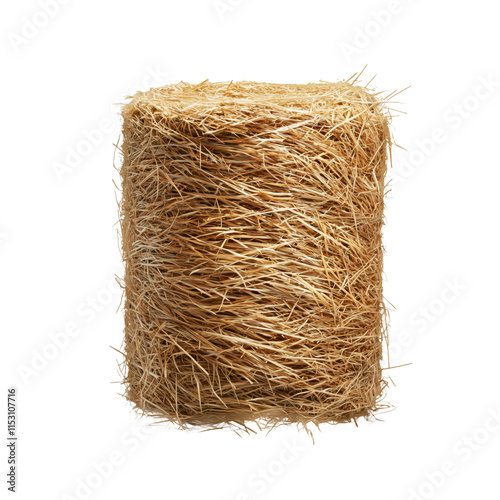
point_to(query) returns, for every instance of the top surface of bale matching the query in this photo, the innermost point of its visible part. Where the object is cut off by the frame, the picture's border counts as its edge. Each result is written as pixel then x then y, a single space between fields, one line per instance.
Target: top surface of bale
pixel 222 104
pixel 251 223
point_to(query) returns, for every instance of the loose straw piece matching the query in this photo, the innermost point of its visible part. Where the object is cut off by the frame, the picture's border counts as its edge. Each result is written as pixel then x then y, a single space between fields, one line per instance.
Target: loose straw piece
pixel 251 223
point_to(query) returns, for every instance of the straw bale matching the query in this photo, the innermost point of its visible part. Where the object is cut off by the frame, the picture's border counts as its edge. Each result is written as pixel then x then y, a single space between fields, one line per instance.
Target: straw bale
pixel 251 219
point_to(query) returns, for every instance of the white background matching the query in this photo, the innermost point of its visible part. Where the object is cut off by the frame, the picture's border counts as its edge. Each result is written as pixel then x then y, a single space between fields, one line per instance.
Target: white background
pixel 62 73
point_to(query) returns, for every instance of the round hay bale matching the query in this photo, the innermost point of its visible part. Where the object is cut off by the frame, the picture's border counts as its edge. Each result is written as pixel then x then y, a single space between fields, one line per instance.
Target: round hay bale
pixel 251 219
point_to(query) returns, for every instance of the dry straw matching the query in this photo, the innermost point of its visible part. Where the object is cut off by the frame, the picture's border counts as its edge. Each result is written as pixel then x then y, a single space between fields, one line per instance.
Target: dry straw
pixel 251 223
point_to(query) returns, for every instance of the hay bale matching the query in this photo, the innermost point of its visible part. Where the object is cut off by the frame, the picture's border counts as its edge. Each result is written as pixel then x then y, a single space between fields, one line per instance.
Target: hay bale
pixel 251 224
